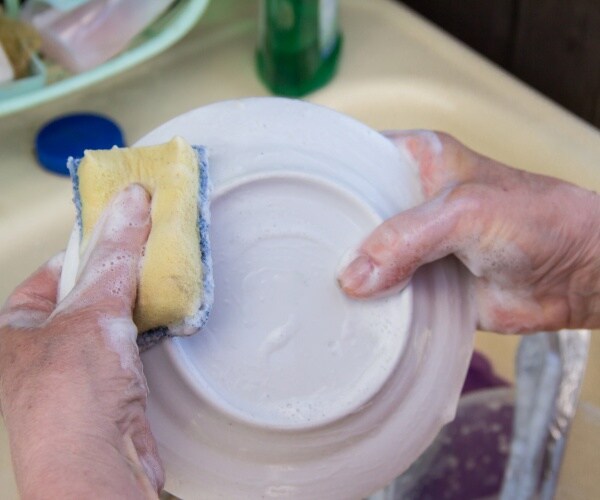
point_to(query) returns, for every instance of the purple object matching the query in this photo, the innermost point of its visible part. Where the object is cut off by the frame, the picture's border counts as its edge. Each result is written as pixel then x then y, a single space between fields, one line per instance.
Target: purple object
pixel 468 458
pixel 481 375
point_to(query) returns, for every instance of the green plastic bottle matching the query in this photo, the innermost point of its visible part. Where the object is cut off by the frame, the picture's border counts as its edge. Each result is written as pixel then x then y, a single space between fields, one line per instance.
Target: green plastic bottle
pixel 299 44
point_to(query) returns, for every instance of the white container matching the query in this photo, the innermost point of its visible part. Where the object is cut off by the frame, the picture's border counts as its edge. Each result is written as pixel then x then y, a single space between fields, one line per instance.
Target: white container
pixel 292 389
pixel 82 38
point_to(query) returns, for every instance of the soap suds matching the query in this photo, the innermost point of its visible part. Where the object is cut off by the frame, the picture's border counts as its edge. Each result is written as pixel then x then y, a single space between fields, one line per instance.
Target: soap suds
pixel 22 318
pixel 297 351
pixel 120 335
pixel 101 276
pixel 279 336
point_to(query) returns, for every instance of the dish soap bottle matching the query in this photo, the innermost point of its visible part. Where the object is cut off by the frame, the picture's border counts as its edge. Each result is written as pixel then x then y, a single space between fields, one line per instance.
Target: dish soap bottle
pixel 299 44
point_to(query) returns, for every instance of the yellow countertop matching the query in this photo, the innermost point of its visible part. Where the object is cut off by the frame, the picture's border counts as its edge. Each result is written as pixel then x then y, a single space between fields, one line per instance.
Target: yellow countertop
pixel 397 71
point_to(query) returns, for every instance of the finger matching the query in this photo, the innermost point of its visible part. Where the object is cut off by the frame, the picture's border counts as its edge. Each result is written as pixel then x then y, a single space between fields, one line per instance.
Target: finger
pixel 109 274
pixel 35 298
pixel 442 161
pixel 397 248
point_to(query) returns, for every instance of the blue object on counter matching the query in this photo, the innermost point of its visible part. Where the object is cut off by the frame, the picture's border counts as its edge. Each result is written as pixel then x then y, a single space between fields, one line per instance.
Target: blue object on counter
pixel 71 135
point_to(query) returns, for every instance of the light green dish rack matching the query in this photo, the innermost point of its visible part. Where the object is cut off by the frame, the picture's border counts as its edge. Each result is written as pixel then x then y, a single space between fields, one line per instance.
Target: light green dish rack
pixel 164 32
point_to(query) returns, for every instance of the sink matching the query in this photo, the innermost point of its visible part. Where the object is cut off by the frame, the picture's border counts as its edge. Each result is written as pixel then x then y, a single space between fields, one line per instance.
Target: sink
pixel 397 71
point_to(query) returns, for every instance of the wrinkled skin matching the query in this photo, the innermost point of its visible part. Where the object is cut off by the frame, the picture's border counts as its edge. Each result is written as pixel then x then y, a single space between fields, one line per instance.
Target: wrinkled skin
pixel 72 389
pixel 531 242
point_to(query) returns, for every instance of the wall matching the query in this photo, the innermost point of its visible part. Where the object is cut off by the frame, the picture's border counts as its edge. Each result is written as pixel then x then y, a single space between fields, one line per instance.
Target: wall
pixel 553 45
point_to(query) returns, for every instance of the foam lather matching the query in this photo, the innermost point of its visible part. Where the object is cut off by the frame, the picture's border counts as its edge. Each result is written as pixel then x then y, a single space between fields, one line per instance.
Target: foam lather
pixel 175 290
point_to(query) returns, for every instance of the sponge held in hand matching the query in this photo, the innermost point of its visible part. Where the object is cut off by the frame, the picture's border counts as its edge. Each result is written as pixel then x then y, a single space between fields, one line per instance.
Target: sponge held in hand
pixel 176 286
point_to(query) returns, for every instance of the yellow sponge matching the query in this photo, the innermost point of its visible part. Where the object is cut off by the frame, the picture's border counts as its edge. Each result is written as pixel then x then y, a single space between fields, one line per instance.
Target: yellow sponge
pixel 175 288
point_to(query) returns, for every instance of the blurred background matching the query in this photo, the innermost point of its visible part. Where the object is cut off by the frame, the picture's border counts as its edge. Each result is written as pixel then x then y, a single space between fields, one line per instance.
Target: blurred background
pixel 553 45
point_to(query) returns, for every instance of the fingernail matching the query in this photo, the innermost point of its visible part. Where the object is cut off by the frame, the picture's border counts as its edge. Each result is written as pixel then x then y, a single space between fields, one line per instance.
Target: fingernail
pixel 356 276
pixel 136 193
pixel 133 203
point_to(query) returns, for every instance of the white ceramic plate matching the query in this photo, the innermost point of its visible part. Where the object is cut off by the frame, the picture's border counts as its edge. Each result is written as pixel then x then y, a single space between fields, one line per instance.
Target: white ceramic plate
pixel 293 390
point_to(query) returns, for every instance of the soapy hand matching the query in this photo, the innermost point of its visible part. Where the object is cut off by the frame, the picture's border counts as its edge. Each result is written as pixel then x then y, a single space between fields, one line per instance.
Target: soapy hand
pixel 72 390
pixel 530 242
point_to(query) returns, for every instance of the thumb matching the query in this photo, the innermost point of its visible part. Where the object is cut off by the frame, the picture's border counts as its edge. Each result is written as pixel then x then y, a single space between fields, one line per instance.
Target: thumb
pixel 108 275
pixel 388 258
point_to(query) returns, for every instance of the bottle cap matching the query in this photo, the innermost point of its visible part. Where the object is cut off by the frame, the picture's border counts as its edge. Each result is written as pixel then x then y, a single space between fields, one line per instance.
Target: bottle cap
pixel 71 135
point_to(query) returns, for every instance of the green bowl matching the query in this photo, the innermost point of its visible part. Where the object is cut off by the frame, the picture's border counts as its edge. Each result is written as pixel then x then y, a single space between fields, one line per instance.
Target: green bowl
pixel 36 80
pixel 163 33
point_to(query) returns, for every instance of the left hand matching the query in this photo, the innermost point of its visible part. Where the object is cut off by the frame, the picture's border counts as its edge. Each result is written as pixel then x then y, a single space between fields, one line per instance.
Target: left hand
pixel 72 390
pixel 530 241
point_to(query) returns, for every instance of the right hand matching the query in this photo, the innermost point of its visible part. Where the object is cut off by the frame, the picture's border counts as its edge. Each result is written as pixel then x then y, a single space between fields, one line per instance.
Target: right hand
pixel 531 242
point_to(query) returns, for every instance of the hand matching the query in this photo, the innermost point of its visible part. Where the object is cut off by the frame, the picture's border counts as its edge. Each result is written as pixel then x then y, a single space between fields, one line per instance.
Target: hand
pixel 531 242
pixel 72 389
